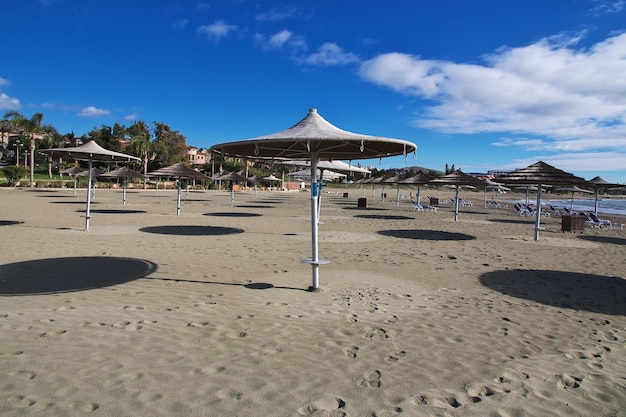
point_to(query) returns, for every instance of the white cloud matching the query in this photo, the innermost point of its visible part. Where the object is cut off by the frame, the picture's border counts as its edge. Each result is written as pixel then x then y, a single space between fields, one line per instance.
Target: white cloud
pixel 575 99
pixel 92 111
pixel 331 54
pixel 9 103
pixel 131 117
pixel 217 30
pixel 274 15
pixel 281 40
pixel 607 6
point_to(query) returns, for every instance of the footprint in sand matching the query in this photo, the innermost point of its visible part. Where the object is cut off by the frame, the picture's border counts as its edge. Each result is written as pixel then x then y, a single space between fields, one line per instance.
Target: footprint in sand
pixel 351 352
pixel 395 356
pixel 197 324
pixel 135 308
pixel 53 333
pixel 370 380
pixel 392 319
pixel 327 405
pixel 568 381
pixel 84 407
pixel 26 375
pixel 378 333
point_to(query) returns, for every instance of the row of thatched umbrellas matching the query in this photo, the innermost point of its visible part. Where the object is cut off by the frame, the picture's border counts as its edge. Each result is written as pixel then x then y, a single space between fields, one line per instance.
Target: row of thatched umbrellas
pixel 314 139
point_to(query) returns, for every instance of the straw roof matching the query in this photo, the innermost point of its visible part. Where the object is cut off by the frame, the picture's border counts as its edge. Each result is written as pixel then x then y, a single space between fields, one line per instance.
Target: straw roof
pixel 123 172
pixel 458 178
pixel 89 151
pixel 315 135
pixel 180 171
pixel 418 178
pixel 540 173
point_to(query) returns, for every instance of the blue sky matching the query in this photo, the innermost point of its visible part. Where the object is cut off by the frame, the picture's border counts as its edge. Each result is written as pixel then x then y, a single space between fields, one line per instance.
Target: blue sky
pixel 479 84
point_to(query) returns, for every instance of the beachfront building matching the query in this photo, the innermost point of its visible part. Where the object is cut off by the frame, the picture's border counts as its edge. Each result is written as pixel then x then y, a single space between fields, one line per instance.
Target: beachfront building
pixel 497 172
pixel 198 156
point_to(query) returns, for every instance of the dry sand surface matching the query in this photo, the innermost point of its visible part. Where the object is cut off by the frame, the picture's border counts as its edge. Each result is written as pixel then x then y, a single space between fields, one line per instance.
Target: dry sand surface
pixel 206 313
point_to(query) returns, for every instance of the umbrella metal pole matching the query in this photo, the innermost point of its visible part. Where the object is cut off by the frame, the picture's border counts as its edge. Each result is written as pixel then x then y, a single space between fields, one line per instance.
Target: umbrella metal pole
pixel 87 211
pixel 124 198
pixel 538 219
pixel 398 196
pixel 75 180
pixel 178 198
pixel 456 204
pixel 314 261
pixel 419 191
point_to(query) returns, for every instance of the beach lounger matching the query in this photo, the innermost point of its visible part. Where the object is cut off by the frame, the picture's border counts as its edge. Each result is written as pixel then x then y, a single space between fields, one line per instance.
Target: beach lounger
pixel 416 206
pixel 600 222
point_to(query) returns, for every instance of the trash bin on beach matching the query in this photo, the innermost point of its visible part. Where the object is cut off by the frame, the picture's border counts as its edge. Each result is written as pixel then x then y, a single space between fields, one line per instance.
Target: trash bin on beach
pixel 345 195
pixel 572 223
pixel 362 202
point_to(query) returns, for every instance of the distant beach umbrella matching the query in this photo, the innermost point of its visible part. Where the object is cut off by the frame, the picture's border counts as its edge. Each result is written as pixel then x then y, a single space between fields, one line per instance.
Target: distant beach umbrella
pixel 457 180
pixel 90 152
pixel 598 183
pixel 314 139
pixel 572 189
pixel 540 174
pixel 233 177
pixel 125 173
pixel 419 179
pixel 179 172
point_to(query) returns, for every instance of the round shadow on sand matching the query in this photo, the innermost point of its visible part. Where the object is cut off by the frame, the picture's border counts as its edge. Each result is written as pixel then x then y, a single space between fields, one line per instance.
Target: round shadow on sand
pixel 594 293
pixel 232 214
pixel 49 276
pixel 419 234
pixel 604 239
pixel 259 286
pixel 382 217
pixel 192 230
pixel 514 221
pixel 112 211
pixel 254 206
pixel 10 222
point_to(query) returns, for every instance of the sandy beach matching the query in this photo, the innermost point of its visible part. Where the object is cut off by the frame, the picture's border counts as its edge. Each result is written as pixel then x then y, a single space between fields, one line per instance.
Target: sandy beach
pixel 207 314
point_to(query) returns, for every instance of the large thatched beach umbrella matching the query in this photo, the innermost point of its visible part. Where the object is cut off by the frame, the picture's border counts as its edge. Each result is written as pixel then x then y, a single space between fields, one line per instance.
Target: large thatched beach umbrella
pixel 89 151
pixel 457 180
pixel 313 138
pixel 179 171
pixel 540 174
pixel 125 173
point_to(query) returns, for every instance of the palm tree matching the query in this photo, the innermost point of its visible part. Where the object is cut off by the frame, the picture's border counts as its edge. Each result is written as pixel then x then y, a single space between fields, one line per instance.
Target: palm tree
pixel 33 127
pixel 140 145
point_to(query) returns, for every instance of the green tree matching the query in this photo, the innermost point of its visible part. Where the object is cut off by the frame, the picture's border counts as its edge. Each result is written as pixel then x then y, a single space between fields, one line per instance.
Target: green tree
pixel 171 145
pixel 105 138
pixel 33 128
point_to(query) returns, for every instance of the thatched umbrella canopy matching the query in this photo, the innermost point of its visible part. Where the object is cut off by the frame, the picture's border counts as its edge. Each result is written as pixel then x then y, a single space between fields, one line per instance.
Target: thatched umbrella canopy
pixel 456 180
pixel 540 174
pixel 179 171
pixel 125 173
pixel 419 179
pixel 313 138
pixel 598 183
pixel 90 152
